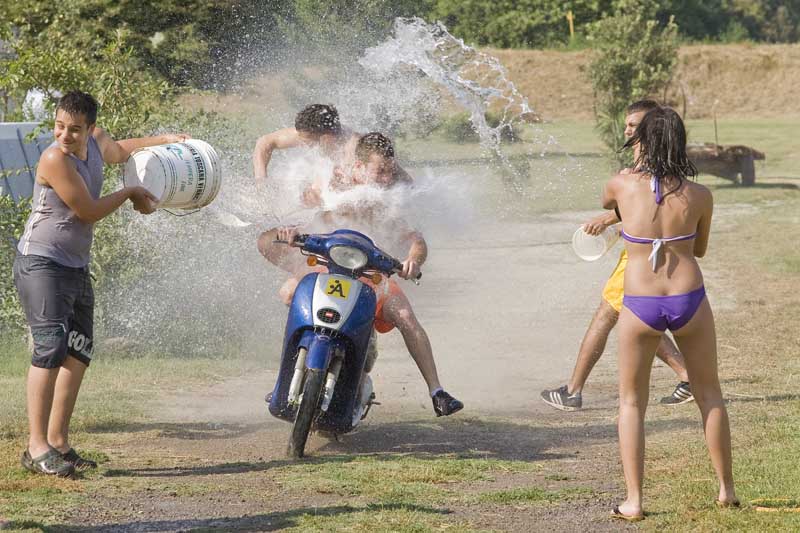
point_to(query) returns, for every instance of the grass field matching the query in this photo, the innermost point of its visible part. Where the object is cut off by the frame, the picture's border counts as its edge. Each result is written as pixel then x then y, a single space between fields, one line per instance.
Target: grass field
pixel 759 352
pixel 572 175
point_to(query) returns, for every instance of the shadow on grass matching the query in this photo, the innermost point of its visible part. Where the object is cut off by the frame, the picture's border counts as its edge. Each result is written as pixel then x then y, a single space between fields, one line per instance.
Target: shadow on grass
pixel 486 439
pixel 463 438
pixel 761 399
pixel 238 467
pixel 261 522
pixel 178 430
pixel 757 185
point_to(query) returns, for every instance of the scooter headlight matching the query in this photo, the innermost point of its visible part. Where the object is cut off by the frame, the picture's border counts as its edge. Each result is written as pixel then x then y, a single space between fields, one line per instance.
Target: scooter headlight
pixel 348 257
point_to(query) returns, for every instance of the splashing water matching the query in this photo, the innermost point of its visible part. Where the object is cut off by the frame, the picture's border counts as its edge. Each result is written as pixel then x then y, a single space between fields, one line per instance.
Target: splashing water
pixel 209 291
pixel 478 81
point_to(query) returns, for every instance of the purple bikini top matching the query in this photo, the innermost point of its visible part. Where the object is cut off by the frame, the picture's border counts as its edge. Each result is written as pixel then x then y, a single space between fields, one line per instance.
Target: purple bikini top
pixel 657 243
pixel 655 186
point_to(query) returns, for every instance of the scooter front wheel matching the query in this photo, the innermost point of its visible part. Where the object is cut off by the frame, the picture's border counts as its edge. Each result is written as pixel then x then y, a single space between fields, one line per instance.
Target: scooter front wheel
pixel 306 411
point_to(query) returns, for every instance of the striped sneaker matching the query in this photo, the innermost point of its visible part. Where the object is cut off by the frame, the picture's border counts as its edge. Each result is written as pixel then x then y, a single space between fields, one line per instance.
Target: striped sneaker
pixel 561 399
pixel 682 394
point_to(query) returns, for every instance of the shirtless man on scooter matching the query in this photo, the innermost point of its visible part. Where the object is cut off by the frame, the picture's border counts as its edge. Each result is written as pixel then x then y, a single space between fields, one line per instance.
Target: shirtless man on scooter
pixel 375 166
pixel 318 126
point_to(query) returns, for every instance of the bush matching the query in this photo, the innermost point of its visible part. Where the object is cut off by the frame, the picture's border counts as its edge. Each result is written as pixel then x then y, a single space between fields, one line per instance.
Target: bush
pixel 516 23
pixel 543 24
pixel 635 55
pixel 12 221
pixel 458 128
pixel 326 29
pixel 182 41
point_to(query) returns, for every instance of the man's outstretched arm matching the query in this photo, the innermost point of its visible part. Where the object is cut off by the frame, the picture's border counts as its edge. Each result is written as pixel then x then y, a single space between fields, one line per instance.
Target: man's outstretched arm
pixel 417 254
pixel 118 151
pixel 598 224
pixel 266 144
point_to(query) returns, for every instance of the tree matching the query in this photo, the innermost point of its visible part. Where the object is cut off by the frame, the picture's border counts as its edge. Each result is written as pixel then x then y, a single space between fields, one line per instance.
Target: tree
pixel 328 29
pixel 188 42
pixel 516 23
pixel 635 55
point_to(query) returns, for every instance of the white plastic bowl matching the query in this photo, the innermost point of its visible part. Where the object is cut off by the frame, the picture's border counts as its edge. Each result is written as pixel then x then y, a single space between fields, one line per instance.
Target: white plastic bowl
pixel 593 247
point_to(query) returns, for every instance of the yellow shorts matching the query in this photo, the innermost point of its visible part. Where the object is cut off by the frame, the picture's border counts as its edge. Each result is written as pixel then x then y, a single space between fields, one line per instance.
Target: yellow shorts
pixel 613 291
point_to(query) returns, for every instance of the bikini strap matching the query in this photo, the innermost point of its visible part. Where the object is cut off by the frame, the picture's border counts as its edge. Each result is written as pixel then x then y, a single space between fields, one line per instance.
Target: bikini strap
pixel 655 186
pixel 638 240
pixel 657 244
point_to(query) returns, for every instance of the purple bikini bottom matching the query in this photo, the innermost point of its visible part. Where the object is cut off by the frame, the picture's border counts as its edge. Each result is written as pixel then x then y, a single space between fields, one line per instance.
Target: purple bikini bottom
pixel 665 312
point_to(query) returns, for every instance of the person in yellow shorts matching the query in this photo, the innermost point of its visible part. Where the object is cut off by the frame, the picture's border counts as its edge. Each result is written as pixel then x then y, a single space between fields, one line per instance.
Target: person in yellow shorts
pixel 612 292
pixel 568 397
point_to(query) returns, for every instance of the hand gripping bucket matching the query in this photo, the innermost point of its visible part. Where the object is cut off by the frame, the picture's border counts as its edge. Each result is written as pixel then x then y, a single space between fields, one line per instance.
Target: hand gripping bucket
pixel 184 175
pixel 593 247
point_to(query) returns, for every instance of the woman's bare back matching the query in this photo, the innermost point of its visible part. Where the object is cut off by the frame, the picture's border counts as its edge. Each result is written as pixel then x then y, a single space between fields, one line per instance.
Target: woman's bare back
pixel 685 210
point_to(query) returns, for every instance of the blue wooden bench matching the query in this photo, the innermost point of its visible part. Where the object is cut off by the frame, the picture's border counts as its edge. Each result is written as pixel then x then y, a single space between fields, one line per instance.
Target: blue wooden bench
pixel 18 158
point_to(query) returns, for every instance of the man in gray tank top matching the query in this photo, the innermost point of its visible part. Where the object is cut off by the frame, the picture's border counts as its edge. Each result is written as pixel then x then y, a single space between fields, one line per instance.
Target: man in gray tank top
pixel 51 272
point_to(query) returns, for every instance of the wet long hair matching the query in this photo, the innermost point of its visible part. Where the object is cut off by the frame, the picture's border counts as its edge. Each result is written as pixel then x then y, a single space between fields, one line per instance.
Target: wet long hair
pixel 662 147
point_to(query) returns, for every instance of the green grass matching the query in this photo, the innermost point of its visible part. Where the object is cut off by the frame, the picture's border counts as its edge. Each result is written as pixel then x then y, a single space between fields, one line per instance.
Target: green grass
pixel 531 495
pixel 381 517
pixel 766 447
pixel 25 497
pixel 760 364
pixel 776 137
pixel 396 478
pixel 559 182
pixel 116 393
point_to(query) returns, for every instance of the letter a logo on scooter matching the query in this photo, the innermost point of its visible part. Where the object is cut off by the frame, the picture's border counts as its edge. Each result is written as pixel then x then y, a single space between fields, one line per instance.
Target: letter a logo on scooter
pixel 338 288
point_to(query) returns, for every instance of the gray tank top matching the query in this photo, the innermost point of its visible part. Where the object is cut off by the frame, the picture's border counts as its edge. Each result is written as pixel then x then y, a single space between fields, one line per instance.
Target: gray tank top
pixel 53 230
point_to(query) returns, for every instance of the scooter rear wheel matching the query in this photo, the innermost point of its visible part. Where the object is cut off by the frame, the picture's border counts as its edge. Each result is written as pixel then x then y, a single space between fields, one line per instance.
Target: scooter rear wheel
pixel 306 411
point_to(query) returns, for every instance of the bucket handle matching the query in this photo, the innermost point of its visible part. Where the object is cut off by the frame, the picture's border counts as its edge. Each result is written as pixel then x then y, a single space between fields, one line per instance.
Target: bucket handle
pixel 185 213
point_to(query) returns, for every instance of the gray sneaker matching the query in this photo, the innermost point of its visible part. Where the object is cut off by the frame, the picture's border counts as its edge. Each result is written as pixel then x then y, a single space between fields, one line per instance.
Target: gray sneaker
pixel 561 399
pixel 681 395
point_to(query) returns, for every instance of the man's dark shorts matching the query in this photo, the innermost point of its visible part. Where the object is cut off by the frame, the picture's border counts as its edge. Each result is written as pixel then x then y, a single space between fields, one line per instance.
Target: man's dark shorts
pixel 59 305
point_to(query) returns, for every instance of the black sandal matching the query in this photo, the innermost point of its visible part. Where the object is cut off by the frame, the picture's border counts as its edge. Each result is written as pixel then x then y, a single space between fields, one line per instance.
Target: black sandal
pixel 616 513
pixel 50 463
pixel 77 461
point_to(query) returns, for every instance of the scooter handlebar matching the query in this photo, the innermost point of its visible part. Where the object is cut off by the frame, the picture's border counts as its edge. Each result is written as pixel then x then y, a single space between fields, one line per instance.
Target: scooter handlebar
pixel 398 268
pixel 299 239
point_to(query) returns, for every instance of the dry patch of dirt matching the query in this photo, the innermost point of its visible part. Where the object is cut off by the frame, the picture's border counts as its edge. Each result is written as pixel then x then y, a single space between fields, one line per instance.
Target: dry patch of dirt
pixel 745 80
pixel 738 80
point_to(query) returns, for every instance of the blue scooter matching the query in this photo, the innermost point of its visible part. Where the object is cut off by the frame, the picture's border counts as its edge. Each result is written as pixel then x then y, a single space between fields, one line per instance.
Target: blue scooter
pixel 328 345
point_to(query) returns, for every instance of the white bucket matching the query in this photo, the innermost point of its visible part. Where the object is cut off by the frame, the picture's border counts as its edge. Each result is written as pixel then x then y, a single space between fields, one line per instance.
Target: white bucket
pixel 184 175
pixel 593 247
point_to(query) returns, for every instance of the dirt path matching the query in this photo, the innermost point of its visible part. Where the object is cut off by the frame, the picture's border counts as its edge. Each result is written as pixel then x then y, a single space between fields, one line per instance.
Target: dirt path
pixel 505 314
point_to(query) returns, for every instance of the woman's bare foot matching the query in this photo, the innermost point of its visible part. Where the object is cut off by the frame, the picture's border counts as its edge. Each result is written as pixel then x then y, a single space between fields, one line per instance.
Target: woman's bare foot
pixel 628 511
pixel 727 504
pixel 727 499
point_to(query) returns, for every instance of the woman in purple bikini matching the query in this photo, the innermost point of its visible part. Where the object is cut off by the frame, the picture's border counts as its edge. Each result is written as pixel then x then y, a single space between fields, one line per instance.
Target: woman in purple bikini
pixel 666 221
